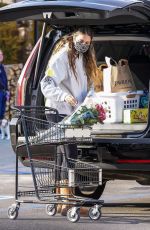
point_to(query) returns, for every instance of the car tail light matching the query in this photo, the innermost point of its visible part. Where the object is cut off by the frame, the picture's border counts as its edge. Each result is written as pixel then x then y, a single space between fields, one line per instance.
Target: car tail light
pixel 25 74
pixel 133 161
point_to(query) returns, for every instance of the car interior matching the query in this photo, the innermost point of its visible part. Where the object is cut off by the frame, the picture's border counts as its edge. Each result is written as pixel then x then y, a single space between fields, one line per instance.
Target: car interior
pixel 133 47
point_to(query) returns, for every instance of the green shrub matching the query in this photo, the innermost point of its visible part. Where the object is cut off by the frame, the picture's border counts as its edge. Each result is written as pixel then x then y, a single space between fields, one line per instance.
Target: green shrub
pixel 12 44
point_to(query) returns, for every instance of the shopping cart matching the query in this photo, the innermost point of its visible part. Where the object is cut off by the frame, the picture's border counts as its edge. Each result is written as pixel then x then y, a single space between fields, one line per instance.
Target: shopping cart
pixel 37 132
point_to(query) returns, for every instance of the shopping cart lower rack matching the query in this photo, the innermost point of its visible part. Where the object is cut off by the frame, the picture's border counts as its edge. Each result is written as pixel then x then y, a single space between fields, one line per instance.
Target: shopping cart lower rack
pixel 46 171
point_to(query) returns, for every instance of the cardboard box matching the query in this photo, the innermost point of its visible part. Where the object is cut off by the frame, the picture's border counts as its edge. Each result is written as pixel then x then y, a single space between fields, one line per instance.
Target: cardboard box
pixel 135 115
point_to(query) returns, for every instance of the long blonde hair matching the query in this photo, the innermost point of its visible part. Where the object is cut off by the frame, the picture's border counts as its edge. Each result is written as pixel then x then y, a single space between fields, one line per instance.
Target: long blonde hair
pixel 89 59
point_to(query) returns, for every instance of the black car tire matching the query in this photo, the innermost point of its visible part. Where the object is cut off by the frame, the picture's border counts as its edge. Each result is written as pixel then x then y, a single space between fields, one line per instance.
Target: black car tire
pixel 96 194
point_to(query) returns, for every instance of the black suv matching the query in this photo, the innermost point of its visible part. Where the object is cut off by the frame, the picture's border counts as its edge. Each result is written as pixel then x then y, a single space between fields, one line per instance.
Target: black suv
pixel 121 30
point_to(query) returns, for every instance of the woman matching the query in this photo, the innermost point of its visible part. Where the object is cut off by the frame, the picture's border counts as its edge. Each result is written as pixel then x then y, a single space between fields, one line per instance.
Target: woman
pixel 70 73
pixel 3 87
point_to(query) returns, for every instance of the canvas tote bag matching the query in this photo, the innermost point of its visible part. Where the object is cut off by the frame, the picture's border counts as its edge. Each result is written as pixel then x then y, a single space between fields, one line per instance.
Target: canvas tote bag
pixel 117 77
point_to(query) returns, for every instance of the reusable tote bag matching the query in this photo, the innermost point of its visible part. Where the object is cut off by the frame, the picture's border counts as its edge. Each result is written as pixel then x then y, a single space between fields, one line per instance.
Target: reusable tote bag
pixel 117 77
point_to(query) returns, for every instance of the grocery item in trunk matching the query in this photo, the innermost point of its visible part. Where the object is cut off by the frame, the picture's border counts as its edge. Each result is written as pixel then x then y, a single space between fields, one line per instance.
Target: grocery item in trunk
pixel 135 116
pixel 115 103
pixel 117 77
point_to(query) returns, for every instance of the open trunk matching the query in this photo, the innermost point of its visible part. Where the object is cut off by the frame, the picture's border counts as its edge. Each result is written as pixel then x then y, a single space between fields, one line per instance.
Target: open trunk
pixel 136 49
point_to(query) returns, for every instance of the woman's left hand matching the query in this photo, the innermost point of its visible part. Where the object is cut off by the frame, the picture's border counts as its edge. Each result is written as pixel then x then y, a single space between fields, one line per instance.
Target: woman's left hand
pixel 71 100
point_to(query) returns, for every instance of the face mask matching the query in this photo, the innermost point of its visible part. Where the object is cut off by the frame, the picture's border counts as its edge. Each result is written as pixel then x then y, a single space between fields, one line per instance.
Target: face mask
pixel 81 47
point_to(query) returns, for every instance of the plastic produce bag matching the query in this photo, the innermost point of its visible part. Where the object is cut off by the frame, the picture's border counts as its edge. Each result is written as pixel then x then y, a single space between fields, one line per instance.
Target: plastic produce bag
pixel 88 113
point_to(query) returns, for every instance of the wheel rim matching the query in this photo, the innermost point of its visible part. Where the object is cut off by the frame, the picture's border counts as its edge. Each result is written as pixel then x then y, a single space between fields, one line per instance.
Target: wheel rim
pixel 73 216
pixel 94 214
pixel 12 213
pixel 51 210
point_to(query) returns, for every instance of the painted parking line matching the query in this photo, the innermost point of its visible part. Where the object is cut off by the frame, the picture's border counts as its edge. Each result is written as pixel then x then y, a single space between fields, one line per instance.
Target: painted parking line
pixel 9 171
pixel 4 197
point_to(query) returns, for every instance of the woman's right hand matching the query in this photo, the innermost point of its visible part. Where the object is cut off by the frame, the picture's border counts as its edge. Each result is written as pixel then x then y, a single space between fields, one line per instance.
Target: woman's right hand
pixel 71 100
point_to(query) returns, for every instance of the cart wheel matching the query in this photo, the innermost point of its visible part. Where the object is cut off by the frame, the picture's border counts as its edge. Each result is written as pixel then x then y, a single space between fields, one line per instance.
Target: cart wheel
pixel 51 209
pixel 13 212
pixel 73 215
pixel 95 213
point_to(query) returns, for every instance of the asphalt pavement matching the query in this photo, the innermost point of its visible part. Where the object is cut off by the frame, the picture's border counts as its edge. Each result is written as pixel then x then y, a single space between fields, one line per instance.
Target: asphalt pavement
pixel 33 216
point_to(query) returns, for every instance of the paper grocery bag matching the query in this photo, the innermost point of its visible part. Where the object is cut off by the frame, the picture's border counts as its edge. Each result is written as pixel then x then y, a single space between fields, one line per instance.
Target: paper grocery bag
pixel 117 77
pixel 98 80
